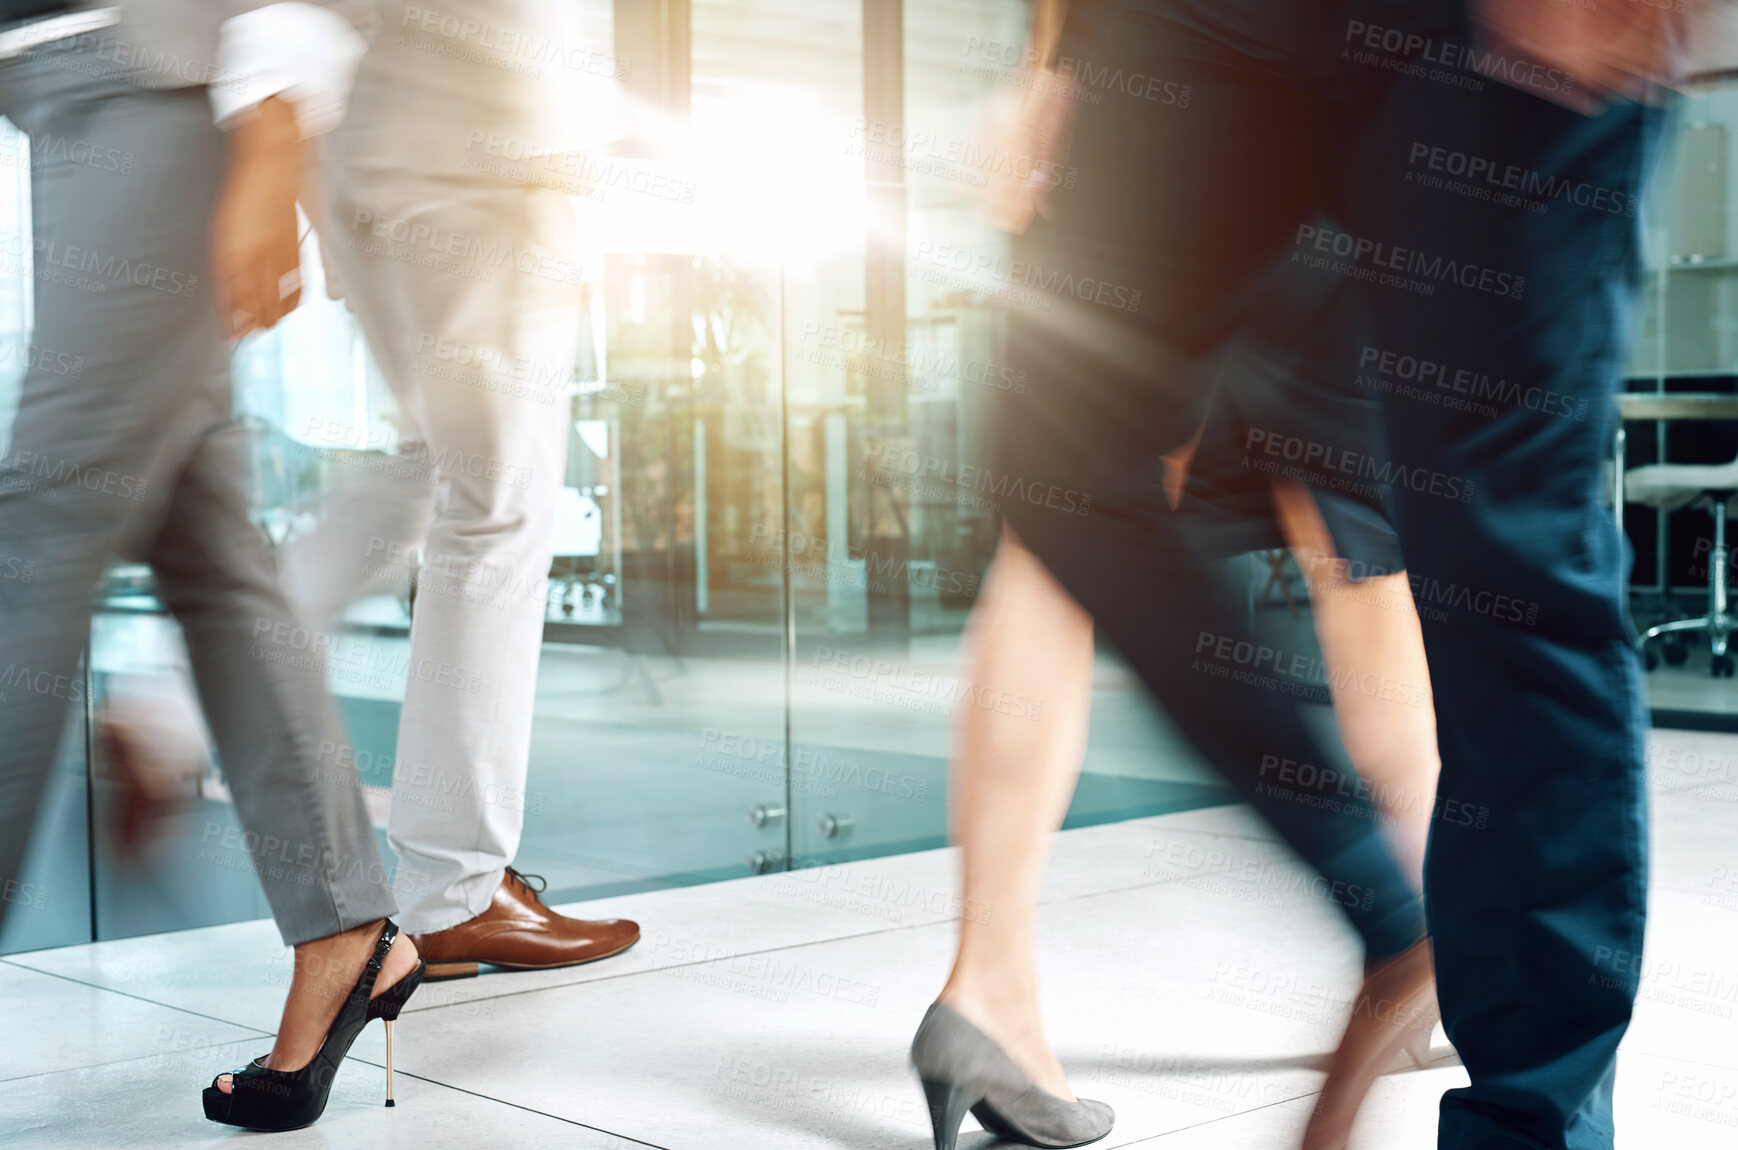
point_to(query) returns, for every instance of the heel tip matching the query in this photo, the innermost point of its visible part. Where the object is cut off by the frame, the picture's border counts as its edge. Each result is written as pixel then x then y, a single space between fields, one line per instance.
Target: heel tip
pixel 390 1102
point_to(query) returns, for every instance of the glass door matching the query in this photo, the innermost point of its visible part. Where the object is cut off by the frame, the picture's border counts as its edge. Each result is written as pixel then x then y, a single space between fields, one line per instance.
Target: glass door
pixel 894 518
pixel 765 550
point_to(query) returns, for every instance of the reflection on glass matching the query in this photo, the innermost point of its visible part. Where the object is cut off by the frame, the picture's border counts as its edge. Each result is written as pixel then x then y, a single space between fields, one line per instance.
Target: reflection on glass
pixel 774 520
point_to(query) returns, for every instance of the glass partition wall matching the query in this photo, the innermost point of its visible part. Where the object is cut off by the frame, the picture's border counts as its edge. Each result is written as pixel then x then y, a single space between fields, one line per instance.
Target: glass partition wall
pixel 1686 342
pixel 765 558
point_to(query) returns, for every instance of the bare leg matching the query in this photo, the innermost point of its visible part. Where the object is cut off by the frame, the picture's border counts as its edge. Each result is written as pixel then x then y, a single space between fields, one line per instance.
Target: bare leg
pixel 326 971
pixel 1012 780
pixel 1374 651
pixel 1013 777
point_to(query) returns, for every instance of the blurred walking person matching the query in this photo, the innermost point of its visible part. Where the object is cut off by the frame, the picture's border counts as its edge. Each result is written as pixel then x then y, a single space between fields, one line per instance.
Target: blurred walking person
pixel 1012 778
pixel 1303 133
pixel 136 456
pixel 447 226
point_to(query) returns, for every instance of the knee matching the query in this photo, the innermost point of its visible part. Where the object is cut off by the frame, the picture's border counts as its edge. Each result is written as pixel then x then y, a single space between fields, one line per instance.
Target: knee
pixel 499 539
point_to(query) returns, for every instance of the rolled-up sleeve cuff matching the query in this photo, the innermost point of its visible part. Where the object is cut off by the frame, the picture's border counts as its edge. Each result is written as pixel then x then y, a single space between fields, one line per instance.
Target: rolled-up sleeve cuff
pixel 305 52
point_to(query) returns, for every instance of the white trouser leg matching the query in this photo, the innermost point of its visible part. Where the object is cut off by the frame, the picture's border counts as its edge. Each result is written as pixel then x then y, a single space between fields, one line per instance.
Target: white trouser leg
pixel 479 351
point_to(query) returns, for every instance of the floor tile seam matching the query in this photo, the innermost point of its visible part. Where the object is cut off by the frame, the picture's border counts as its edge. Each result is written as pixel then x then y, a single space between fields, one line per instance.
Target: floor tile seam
pixel 735 956
pixel 609 977
pixel 1215 1121
pixel 361 1062
pixel 381 1066
pixel 149 1001
pixel 256 1036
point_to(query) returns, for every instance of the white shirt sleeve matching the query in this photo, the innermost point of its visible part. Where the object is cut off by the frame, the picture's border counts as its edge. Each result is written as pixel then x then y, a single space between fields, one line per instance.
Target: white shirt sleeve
pixel 304 51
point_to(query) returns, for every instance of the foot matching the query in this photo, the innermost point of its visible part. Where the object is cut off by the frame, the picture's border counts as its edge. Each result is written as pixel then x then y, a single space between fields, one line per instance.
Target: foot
pixel 1011 1021
pixel 1396 1004
pixel 518 932
pixel 962 1069
pixel 327 970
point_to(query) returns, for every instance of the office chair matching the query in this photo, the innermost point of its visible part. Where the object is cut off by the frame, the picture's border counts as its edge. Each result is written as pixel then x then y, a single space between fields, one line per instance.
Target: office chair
pixel 1669 486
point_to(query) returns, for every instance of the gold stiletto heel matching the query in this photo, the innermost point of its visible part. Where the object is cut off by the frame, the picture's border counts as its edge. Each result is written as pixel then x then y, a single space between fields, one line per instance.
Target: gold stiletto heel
pixel 389 1025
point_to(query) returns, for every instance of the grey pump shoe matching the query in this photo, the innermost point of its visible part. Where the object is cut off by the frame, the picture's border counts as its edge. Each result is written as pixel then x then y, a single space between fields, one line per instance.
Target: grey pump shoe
pixel 963 1069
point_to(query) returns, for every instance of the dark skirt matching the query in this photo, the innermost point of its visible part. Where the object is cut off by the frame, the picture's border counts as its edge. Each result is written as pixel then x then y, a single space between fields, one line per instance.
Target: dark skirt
pixel 1138 330
pixel 1289 404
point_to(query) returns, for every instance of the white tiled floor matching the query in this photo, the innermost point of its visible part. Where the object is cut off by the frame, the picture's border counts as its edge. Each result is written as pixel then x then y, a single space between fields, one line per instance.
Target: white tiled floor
pixel 774 1012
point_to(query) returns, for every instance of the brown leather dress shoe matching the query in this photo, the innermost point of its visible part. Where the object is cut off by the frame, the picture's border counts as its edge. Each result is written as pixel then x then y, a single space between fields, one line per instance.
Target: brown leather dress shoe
pixel 519 933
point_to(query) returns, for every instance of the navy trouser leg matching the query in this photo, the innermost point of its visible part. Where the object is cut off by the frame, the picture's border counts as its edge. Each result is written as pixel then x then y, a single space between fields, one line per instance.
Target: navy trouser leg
pixel 1536 874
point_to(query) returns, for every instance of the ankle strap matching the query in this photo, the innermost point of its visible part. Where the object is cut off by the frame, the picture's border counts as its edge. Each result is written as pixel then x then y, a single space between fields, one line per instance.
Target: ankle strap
pixel 365 984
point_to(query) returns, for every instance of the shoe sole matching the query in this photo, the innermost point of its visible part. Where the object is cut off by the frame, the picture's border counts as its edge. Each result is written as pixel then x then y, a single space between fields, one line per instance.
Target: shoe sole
pixel 216 1104
pixel 447 971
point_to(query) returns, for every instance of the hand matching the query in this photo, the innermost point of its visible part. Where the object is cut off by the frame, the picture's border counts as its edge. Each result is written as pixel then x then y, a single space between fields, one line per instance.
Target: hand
pixel 1034 139
pixel 255 256
pixel 1032 148
pixel 1613 50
